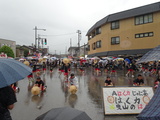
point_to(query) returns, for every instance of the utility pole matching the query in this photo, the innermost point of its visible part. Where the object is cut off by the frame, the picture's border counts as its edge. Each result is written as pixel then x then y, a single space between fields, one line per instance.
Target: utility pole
pixel 36 36
pixel 55 52
pixel 84 50
pixel 71 47
pixel 60 54
pixel 79 39
pixel 38 41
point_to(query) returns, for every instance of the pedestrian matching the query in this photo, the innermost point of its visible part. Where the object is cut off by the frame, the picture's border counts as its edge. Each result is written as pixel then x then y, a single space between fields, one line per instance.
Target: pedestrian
pixel 44 67
pixel 113 69
pixel 156 83
pixel 7 100
pixel 40 84
pixel 139 81
pixel 66 71
pixel 15 87
pixel 108 82
pixel 131 68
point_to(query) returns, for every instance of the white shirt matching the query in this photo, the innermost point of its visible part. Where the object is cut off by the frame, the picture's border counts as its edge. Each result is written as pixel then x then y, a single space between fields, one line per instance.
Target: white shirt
pixel 73 81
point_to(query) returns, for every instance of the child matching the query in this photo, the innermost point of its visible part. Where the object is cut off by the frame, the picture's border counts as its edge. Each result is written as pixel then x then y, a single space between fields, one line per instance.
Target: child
pixel 73 80
pixel 156 83
pixel 108 82
pixel 40 84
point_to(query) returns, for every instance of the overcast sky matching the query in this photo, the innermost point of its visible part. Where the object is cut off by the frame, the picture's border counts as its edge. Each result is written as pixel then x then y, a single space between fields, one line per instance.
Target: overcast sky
pixel 60 18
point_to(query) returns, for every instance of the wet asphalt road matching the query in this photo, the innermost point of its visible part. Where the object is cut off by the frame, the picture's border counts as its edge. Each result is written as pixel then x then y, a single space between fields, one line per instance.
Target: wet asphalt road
pixel 88 97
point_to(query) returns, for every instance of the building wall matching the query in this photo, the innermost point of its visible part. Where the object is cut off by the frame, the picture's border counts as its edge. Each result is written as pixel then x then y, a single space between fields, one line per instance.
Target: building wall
pixel 9 43
pixel 126 32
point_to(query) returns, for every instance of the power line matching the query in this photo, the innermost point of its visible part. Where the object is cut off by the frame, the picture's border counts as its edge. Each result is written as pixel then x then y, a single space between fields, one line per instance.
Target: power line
pixel 61 34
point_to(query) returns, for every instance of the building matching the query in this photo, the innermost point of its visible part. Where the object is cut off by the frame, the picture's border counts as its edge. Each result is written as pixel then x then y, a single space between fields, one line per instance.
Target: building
pixel 19 51
pixel 73 51
pixel 76 52
pixel 9 43
pixel 130 32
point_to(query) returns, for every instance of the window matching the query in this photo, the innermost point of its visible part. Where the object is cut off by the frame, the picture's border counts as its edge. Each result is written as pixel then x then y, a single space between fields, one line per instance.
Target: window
pixel 137 36
pixel 141 35
pixel 89 37
pixel 88 48
pixel 98 31
pixel 98 44
pixel 94 46
pixel 93 34
pixel 143 19
pixel 114 25
pixel 115 40
pixel 150 34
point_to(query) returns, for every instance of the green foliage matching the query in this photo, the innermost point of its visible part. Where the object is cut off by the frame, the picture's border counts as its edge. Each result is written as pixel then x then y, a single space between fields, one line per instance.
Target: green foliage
pixel 7 50
pixel 26 52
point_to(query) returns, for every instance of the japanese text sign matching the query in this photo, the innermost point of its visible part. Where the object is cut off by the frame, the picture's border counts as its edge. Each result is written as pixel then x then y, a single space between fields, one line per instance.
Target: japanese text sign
pixel 126 100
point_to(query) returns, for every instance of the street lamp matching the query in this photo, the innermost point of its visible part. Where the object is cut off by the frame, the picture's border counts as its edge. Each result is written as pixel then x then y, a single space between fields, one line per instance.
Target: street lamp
pixel 36 35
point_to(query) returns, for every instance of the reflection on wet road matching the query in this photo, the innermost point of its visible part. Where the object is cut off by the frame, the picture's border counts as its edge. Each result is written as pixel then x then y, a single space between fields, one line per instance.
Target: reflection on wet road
pixel 88 97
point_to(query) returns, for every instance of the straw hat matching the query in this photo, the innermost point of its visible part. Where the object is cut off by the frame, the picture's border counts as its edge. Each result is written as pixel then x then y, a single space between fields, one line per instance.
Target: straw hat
pixel 35 90
pixel 66 60
pixel 73 89
pixel 26 63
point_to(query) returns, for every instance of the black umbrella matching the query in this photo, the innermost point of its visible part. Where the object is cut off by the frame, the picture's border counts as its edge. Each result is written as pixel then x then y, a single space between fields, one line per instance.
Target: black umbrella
pixel 152 110
pixel 152 55
pixel 64 113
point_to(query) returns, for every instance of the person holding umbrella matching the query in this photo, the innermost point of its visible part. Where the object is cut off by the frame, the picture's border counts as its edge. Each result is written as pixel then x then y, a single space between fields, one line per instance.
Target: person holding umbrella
pixel 7 100
pixel 11 71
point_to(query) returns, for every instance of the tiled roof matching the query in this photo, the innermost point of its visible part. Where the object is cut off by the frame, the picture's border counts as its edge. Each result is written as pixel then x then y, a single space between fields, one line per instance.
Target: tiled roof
pixel 126 14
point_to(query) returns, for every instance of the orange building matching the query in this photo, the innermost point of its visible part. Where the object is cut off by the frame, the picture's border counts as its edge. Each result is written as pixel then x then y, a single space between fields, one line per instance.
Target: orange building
pixel 130 32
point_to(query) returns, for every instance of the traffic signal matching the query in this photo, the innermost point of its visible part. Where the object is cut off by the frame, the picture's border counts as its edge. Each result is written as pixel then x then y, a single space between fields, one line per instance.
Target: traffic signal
pixel 45 41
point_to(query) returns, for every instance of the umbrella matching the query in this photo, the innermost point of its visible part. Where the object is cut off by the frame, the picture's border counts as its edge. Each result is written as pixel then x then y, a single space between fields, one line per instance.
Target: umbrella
pixel 45 57
pixel 107 58
pixel 95 58
pixel 64 113
pixel 119 59
pixel 53 58
pixel 151 110
pixel 12 71
pixel 128 60
pixel 152 55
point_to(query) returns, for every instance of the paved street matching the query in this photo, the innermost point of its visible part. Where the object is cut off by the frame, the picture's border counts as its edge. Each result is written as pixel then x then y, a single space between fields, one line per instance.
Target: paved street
pixel 88 97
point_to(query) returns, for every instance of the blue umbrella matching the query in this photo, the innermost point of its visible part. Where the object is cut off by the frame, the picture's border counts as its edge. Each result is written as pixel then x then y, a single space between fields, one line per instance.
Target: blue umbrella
pixel 128 60
pixel 12 71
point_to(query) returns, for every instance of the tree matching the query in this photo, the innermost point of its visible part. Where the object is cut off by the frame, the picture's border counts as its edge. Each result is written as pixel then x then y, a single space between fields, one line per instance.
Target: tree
pixel 26 52
pixel 7 50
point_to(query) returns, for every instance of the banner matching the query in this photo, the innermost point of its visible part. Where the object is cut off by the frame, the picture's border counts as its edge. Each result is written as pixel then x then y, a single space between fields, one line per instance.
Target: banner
pixel 126 100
